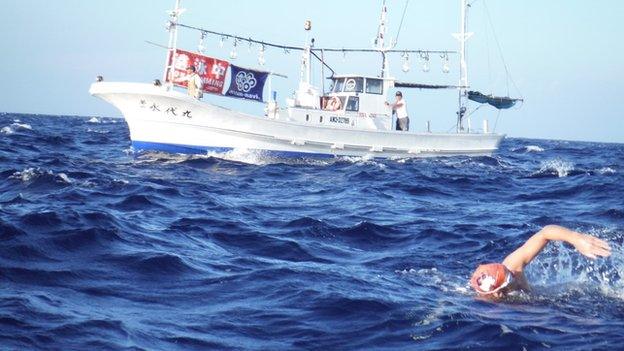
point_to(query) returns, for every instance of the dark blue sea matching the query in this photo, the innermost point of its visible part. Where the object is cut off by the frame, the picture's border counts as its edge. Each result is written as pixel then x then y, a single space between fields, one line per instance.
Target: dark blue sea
pixel 107 248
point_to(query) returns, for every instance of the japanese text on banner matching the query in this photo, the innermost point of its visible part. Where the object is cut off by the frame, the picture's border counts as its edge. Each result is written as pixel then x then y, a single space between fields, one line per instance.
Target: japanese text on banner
pixel 211 70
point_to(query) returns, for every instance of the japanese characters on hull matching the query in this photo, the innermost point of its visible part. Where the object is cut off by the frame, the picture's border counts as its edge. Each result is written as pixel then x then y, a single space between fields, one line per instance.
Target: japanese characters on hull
pixel 170 111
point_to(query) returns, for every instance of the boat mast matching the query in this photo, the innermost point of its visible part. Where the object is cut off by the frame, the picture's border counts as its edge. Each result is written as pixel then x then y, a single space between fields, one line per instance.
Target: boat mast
pixel 306 56
pixel 380 41
pixel 172 27
pixel 462 37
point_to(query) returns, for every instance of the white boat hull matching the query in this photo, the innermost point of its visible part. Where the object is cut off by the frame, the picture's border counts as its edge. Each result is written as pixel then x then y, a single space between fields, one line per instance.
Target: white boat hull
pixel 167 120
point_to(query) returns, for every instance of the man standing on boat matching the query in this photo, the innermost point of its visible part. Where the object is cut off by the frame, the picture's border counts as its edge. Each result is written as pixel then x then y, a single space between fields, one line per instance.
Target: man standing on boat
pixel 400 108
pixel 194 82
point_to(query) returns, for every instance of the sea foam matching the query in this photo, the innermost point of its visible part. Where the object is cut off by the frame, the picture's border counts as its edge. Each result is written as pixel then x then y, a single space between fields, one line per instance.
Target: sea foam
pixel 14 127
pixel 560 167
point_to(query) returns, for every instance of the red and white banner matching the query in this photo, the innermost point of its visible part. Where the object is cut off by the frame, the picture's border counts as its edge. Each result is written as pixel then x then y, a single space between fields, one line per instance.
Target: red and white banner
pixel 211 70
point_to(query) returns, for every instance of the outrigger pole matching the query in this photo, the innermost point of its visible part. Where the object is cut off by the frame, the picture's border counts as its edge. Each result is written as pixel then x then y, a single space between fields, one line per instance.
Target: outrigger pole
pixel 462 37
pixel 172 27
pixel 381 39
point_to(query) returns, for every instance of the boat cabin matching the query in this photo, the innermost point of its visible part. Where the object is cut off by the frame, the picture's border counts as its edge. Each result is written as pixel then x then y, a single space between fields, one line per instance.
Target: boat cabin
pixel 367 94
pixel 359 99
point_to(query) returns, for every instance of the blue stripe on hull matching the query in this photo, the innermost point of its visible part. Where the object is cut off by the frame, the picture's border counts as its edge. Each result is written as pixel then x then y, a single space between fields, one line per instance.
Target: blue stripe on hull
pixel 176 148
pixel 193 149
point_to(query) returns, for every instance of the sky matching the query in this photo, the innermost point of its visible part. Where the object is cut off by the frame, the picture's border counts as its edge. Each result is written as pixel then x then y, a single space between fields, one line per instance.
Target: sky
pixel 564 57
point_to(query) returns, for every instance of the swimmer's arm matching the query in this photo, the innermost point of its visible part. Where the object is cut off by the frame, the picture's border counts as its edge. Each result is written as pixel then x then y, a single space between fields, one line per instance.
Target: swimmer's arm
pixel 585 244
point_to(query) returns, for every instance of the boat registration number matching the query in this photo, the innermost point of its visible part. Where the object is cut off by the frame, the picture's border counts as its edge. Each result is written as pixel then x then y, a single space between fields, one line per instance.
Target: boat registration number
pixel 337 119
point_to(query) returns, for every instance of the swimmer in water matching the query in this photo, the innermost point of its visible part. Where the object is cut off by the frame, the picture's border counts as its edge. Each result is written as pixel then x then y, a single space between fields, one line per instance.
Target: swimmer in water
pixel 495 280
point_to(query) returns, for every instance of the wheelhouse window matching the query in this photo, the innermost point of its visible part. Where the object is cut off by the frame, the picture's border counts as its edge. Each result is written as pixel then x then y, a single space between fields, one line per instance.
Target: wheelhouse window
pixel 354 85
pixel 338 85
pixel 353 103
pixel 374 86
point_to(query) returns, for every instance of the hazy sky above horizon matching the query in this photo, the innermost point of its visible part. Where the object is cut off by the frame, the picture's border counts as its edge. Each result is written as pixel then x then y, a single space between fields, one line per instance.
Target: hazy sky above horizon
pixel 565 57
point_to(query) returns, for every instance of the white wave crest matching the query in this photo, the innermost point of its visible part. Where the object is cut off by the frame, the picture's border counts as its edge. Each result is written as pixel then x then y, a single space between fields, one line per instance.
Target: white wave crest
pixel 121 181
pixel 528 148
pixel 21 126
pixel 606 170
pixel 261 158
pixel 89 130
pixel 561 167
pixel 26 175
pixel 30 174
pixel 252 157
pixel 63 177
pixel 94 120
pixel 367 160
pixel 534 148
pixel 14 127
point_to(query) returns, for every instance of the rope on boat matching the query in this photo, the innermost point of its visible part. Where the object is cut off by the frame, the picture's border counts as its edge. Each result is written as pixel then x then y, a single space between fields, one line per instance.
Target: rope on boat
pixel 301 48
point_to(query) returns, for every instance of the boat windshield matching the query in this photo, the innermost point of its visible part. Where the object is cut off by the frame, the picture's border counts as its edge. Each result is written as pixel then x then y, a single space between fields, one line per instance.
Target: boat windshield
pixel 353 104
pixel 354 85
pixel 374 86
pixel 338 85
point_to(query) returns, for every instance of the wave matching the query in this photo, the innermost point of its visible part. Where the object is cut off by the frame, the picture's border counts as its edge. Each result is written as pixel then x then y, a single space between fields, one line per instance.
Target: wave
pixel 74 240
pixel 58 140
pixel 15 127
pixel 199 161
pixel 555 193
pixel 242 155
pixel 41 277
pixel 266 246
pixel 45 219
pixel 8 231
pixel 424 191
pixel 94 120
pixel 304 222
pixel 555 167
pixel 188 225
pixel 367 161
pixel 560 168
pixel 528 149
pixel 18 199
pixel 534 148
pixel 367 234
pixel 613 213
pixel 97 131
pixel 137 202
pixel 156 264
pixel 30 175
pixel 196 343
pixel 606 170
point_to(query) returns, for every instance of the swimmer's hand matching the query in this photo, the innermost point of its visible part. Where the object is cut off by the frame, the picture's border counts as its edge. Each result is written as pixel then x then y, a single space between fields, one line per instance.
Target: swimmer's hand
pixel 590 246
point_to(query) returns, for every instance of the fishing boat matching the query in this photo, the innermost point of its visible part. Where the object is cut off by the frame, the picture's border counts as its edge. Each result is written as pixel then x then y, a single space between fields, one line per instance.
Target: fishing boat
pixel 349 118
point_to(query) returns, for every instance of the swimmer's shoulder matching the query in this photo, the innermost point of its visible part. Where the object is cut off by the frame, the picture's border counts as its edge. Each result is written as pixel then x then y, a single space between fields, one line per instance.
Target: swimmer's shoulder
pixel 520 281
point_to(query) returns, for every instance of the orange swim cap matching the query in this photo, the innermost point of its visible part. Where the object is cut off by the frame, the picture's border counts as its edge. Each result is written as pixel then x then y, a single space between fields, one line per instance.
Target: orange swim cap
pixel 490 278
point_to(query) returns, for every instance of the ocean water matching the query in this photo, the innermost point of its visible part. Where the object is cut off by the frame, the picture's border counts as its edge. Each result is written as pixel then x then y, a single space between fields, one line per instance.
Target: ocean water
pixel 102 247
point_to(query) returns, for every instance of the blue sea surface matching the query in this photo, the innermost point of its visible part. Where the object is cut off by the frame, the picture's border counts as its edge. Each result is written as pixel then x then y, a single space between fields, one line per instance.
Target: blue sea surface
pixel 106 248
